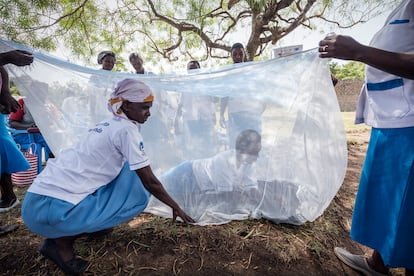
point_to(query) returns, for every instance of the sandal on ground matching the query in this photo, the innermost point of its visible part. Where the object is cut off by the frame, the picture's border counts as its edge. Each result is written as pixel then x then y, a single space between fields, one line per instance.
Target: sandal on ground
pixel 75 266
pixel 5 229
pixel 357 262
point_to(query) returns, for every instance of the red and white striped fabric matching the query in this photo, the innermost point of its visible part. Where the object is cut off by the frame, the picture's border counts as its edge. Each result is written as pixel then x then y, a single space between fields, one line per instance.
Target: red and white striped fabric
pixel 25 178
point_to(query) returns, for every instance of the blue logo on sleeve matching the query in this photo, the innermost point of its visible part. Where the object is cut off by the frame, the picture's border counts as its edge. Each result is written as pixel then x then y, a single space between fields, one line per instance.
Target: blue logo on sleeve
pixel 96 129
pixel 399 21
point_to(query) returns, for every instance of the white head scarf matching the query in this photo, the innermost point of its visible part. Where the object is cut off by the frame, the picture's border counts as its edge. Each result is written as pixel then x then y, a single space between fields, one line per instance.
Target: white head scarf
pixel 131 90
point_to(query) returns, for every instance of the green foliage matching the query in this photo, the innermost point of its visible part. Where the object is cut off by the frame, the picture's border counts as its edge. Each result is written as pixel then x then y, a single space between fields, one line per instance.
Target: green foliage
pixel 21 19
pixel 13 89
pixel 174 30
pixel 348 71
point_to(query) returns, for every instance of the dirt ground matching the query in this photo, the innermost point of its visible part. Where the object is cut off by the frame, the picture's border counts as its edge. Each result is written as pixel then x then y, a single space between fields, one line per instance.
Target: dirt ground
pixel 150 245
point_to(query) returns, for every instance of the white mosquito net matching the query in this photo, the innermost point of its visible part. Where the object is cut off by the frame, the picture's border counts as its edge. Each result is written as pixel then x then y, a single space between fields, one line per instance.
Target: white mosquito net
pixel 217 174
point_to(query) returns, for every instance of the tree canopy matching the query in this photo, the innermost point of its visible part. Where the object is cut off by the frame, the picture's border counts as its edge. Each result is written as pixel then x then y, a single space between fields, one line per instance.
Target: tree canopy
pixel 173 30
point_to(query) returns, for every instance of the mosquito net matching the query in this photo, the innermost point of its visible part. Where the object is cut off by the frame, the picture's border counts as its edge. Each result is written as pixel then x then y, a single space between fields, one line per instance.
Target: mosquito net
pixel 253 140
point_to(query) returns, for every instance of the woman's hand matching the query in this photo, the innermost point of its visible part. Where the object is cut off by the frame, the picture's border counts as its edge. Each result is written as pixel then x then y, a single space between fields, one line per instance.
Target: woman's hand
pixel 16 57
pixel 154 186
pixel 341 47
pixel 180 213
pixel 8 104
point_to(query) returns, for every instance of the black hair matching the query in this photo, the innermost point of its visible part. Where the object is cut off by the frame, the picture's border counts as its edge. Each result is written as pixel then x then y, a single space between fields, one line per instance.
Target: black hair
pixel 193 62
pixel 246 138
pixel 237 45
pixel 103 54
pixel 137 56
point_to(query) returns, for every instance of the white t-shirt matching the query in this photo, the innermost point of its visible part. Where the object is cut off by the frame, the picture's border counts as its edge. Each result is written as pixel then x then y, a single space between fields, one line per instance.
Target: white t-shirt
pixel 94 162
pixel 220 174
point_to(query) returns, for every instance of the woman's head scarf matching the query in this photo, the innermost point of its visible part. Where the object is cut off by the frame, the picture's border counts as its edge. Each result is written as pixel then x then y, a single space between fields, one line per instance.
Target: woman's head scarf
pixel 131 90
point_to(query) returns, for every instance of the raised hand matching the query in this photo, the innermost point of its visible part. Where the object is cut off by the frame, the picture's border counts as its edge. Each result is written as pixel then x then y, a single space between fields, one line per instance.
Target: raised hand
pixel 8 104
pixel 16 57
pixel 339 46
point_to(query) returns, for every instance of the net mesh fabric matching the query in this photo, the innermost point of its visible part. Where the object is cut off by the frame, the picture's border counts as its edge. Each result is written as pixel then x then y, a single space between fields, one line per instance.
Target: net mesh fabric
pixel 290 101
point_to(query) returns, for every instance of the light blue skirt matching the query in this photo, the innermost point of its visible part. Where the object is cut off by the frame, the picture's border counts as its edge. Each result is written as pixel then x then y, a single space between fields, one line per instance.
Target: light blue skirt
pixel 383 216
pixel 119 201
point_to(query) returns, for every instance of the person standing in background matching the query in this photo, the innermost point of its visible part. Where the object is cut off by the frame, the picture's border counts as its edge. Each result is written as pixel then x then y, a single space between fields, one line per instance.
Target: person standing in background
pixel 158 131
pixel 138 63
pixel 198 116
pixel 242 113
pixel 102 83
pixel 107 59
